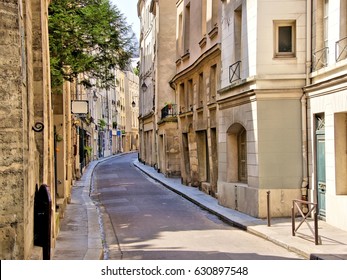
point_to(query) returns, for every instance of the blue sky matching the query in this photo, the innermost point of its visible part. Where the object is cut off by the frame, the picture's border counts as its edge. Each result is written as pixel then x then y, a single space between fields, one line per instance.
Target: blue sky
pixel 129 9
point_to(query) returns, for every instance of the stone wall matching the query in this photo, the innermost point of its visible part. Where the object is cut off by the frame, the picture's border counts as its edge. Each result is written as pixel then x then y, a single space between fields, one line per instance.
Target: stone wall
pixel 20 163
pixel 11 132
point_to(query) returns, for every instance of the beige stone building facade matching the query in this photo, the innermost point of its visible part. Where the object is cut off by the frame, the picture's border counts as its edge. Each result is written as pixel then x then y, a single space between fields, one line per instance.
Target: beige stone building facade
pixel 260 109
pixel 132 112
pixel 261 101
pixel 147 122
pixel 159 146
pixel 196 81
pixel 26 151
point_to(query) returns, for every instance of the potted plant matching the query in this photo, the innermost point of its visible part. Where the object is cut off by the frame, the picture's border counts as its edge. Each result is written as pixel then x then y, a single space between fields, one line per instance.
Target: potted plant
pixel 102 124
pixel 169 105
pixel 88 150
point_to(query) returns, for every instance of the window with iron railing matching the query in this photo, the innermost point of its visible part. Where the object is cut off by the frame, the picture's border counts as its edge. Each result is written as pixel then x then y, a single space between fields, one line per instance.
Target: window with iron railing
pixel 320 58
pixel 341 49
pixel 234 71
pixel 170 110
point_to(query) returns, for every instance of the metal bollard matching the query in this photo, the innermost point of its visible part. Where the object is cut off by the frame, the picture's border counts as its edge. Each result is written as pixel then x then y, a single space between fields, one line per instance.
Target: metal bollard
pixel 268 208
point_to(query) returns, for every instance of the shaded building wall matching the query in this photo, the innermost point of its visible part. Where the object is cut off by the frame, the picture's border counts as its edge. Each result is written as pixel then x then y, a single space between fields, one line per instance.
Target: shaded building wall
pixel 147 121
pixel 25 160
pixel 168 148
pixel 196 81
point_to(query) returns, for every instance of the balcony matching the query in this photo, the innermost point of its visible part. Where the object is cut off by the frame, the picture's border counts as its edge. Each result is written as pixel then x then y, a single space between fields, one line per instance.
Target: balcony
pixel 170 110
pixel 341 49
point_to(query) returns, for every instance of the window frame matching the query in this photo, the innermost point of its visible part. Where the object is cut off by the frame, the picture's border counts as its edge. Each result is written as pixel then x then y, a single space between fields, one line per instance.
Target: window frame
pixel 242 155
pixel 277 25
pixel 237 163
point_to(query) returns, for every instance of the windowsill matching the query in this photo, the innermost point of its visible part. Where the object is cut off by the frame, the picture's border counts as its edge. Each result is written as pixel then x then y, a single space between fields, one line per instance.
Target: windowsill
pixel 213 33
pixel 329 69
pixel 284 56
pixel 202 42
pixel 185 56
pixel 239 184
pixel 187 113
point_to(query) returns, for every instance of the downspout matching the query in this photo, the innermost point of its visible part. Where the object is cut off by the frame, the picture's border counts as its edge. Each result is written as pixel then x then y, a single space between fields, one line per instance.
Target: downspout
pixel 304 184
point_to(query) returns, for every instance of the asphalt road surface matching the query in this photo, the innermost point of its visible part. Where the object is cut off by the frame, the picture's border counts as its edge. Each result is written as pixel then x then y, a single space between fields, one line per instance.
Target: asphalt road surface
pixel 143 220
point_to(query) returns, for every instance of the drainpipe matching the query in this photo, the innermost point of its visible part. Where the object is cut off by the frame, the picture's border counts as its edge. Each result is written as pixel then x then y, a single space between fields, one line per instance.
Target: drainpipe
pixel 304 184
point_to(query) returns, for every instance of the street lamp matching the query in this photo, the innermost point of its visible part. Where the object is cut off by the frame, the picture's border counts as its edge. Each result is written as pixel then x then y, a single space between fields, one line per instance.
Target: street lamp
pixel 144 86
pixel 95 97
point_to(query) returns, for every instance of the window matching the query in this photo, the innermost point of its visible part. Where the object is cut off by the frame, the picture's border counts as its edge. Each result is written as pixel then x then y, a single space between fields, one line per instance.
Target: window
pixel 203 17
pixel 212 14
pixel 326 23
pixel 242 153
pixel 237 153
pixel 183 105
pixel 213 83
pixel 238 33
pixel 320 55
pixel 340 153
pixel 179 46
pixel 284 38
pixel 187 29
pixel 201 91
pixel 341 44
pixel 343 19
pixel 190 95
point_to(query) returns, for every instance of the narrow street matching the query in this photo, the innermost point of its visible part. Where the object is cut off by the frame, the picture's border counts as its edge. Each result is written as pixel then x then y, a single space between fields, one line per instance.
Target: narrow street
pixel 142 220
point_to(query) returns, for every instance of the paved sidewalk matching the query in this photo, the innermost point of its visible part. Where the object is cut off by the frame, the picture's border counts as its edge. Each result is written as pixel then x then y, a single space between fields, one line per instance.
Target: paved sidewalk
pixel 80 236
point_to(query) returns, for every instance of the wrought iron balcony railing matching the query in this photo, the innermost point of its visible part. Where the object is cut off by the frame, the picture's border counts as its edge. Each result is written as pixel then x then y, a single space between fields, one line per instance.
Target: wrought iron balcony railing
pixel 169 110
pixel 234 71
pixel 320 58
pixel 341 49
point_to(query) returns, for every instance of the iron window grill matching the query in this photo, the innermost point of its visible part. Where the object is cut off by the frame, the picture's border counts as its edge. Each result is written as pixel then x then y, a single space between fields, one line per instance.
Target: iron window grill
pixel 341 49
pixel 234 71
pixel 320 58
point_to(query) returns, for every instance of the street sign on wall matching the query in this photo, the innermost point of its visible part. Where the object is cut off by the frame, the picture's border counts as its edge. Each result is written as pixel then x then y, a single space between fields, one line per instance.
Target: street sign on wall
pixel 79 106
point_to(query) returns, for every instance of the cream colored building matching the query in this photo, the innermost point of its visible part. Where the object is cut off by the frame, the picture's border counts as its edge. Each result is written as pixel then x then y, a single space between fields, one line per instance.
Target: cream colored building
pixel 147 122
pixel 120 111
pixel 326 93
pixel 132 112
pixel 260 143
pixel 159 146
pixel 196 81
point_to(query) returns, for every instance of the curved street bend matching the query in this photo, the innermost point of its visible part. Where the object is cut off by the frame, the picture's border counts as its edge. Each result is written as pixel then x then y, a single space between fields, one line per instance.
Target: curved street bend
pixel 143 220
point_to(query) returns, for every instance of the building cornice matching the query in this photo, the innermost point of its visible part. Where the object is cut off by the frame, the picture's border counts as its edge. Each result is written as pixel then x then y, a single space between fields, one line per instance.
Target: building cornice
pixel 250 95
pixel 214 50
pixel 327 86
pixel 149 115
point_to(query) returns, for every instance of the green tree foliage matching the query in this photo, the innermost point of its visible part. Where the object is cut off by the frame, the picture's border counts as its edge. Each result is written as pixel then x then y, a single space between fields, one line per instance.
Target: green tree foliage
pixel 90 37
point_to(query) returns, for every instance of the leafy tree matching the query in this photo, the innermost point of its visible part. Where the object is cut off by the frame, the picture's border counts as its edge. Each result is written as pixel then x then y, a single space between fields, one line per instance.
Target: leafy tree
pixel 137 69
pixel 90 37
